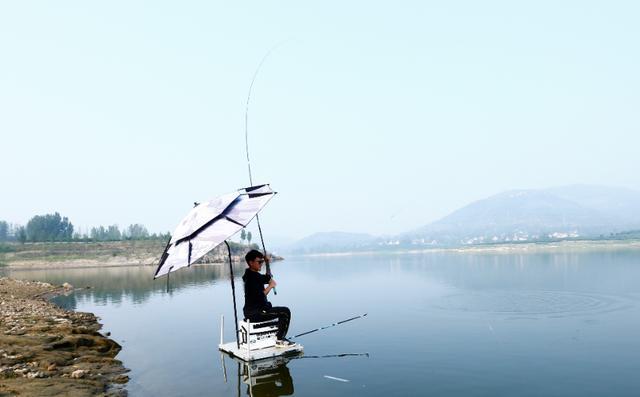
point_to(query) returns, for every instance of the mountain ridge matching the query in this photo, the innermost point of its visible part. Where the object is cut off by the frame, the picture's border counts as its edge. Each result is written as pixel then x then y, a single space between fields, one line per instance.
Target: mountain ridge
pixel 559 212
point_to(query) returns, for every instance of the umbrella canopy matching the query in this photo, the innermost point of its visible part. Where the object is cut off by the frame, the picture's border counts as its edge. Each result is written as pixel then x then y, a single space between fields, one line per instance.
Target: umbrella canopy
pixel 209 224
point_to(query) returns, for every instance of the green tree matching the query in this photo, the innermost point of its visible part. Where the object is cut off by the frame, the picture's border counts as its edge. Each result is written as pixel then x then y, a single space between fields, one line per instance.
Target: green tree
pixel 249 237
pixel 4 231
pixel 49 227
pixel 113 233
pixel 243 235
pixel 98 233
pixel 21 234
pixel 137 232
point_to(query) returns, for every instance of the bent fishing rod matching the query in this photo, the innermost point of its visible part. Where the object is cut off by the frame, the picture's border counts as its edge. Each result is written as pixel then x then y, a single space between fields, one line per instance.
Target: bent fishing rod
pixel 246 145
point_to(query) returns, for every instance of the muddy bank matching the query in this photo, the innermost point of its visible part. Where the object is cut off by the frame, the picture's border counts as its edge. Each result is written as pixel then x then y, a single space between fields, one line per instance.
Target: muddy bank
pixel 49 351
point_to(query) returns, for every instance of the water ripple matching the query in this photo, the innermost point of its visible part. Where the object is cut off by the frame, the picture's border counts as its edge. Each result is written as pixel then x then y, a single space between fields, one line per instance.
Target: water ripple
pixel 524 304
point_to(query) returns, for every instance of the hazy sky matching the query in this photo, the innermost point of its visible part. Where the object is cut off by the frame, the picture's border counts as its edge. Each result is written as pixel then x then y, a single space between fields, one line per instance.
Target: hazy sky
pixel 370 116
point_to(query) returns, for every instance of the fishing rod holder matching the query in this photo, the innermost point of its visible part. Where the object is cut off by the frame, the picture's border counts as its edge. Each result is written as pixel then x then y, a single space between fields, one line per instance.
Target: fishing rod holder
pixel 258 335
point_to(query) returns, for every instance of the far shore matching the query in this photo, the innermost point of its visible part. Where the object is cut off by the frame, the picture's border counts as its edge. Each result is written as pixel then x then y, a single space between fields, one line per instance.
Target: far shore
pixel 509 248
pixel 84 255
pixel 81 255
pixel 70 264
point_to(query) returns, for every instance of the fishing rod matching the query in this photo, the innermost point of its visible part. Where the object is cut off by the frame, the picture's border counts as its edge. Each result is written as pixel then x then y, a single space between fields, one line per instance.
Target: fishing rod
pixel 246 146
pixel 334 356
pixel 329 326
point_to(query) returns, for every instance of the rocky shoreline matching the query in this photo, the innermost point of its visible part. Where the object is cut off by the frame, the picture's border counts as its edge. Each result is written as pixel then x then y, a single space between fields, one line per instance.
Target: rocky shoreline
pixel 49 351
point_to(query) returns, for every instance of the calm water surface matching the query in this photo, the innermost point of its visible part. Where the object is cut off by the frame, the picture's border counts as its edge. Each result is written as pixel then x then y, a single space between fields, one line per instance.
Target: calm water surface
pixel 562 324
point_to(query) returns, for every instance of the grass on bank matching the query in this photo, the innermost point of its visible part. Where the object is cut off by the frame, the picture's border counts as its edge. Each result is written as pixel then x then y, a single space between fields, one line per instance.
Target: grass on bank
pixel 136 250
pixel 63 251
pixel 7 248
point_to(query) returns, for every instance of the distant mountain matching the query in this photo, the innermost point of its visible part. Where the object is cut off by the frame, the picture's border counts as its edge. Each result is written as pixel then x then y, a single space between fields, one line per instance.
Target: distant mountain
pixel 278 243
pixel 516 215
pixel 526 214
pixel 329 242
pixel 622 205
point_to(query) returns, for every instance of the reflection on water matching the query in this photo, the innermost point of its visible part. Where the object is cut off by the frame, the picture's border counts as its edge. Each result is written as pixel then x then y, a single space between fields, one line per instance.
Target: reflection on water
pixel 439 324
pixel 112 285
pixel 265 378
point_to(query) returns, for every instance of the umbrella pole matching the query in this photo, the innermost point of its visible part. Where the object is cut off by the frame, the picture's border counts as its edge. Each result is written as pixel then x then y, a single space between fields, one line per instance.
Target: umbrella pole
pixel 233 291
pixel 239 379
pixel 168 274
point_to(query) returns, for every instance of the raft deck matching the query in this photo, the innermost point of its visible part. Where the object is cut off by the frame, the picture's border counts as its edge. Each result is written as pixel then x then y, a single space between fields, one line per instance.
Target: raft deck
pixel 259 354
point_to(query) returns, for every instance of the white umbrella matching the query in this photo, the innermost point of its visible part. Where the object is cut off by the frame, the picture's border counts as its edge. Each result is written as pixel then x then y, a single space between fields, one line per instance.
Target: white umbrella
pixel 209 224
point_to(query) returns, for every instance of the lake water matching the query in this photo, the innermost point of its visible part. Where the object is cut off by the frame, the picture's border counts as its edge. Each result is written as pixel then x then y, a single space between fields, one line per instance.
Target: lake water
pixel 443 324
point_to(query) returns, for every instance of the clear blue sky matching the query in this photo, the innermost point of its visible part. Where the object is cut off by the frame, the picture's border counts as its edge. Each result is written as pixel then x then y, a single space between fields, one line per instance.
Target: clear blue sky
pixel 371 116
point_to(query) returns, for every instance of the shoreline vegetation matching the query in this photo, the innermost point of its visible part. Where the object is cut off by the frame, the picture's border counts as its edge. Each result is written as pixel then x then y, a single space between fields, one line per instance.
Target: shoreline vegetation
pixel 73 255
pixel 49 351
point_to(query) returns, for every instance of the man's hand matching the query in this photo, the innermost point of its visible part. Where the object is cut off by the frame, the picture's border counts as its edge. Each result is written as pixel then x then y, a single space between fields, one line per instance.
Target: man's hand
pixel 272 284
pixel 267 259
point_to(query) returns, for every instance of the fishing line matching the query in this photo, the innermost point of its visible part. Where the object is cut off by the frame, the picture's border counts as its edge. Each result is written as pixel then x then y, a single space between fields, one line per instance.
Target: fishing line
pixel 329 326
pixel 246 109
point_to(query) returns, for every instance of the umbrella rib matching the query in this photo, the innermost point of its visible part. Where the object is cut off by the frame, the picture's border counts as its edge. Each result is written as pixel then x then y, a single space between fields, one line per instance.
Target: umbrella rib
pixel 254 195
pixel 233 221
pixel 200 229
pixel 217 218
pixel 163 258
pixel 207 224
pixel 252 188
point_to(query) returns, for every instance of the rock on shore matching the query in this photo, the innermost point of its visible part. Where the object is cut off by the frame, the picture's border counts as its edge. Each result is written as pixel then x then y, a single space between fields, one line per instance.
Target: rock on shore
pixel 49 351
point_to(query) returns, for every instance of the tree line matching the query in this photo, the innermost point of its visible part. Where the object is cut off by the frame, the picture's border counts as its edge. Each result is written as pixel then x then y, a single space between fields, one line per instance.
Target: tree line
pixel 135 231
pixel 54 227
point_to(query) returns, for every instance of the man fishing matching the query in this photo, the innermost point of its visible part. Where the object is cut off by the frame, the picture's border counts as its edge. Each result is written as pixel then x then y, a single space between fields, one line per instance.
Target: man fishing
pixel 256 306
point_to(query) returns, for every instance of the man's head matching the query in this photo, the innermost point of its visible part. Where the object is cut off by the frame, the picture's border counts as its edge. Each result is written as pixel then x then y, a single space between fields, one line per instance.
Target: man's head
pixel 254 259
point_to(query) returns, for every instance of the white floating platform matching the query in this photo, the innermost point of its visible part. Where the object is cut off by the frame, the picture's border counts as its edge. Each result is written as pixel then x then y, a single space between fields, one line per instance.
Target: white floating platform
pixel 259 354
